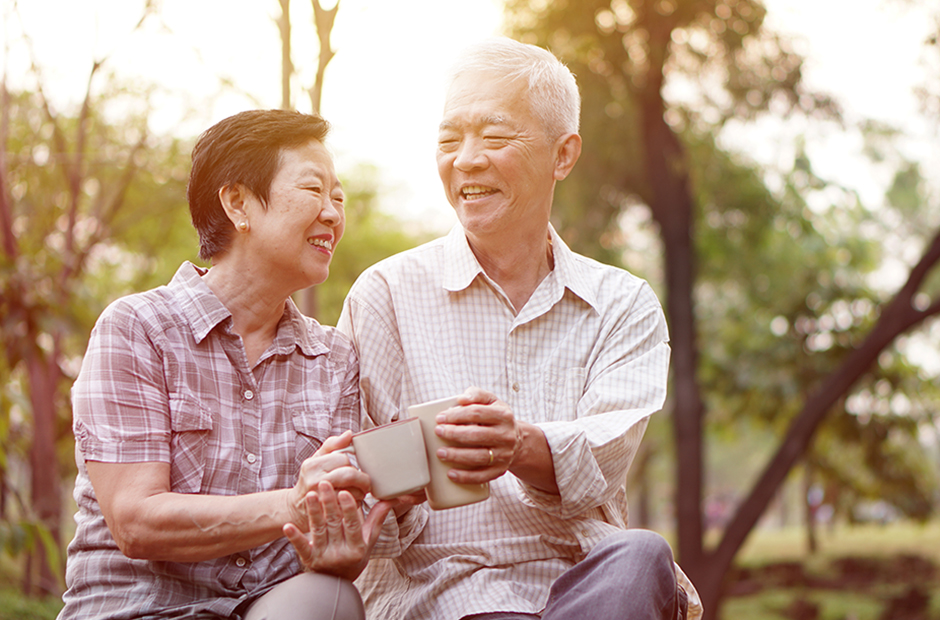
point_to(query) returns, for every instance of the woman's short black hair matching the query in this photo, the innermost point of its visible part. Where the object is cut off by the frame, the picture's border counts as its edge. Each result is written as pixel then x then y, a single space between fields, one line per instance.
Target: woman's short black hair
pixel 242 149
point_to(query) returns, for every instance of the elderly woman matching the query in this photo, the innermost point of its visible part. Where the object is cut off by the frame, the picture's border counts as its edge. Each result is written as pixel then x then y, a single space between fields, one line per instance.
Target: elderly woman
pixel 208 411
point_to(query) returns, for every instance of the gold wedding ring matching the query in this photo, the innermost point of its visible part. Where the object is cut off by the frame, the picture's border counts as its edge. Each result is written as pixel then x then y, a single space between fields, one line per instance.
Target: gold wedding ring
pixel 490 450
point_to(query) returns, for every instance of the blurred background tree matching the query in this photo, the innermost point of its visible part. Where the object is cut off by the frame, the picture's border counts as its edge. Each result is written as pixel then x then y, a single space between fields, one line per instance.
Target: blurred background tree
pixel 778 282
pixel 774 317
pixel 92 207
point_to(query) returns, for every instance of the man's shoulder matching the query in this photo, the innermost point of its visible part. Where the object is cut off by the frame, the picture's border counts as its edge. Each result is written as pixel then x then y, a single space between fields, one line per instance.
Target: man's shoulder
pixel 415 264
pixel 605 283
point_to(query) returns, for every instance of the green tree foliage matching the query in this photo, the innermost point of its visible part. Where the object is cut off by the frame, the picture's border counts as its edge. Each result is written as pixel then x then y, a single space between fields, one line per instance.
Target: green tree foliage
pixel 775 285
pixel 93 208
pixel 370 236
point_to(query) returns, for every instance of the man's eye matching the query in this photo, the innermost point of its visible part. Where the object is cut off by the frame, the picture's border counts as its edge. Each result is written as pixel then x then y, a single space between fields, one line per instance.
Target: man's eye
pixel 496 139
pixel 447 145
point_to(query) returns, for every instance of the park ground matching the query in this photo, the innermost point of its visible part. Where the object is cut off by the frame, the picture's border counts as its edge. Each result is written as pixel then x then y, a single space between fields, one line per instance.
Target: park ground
pixel 861 572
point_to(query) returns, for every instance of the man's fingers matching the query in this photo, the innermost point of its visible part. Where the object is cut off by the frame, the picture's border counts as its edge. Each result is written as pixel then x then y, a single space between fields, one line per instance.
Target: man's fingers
pixel 474 394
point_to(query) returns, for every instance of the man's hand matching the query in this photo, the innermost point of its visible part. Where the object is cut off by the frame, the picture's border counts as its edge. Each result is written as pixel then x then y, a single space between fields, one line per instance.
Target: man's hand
pixel 488 441
pixel 340 539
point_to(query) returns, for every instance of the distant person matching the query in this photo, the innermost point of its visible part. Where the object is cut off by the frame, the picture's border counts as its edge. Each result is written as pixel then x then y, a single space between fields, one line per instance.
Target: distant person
pixel 208 411
pixel 560 361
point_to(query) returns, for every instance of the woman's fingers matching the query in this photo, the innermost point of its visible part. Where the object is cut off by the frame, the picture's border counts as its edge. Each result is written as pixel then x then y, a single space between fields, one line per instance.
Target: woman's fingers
pixel 300 543
pixel 337 442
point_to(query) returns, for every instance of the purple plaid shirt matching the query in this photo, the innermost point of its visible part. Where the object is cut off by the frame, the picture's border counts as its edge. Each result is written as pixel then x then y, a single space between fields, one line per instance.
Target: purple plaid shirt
pixel 165 379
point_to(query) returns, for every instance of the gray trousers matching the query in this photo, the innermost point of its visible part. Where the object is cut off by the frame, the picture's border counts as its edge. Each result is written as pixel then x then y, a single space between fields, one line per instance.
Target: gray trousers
pixel 627 576
pixel 309 596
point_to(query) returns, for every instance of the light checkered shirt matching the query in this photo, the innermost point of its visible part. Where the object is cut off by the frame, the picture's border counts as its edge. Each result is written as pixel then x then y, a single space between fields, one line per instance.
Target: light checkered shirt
pixel 586 359
pixel 165 379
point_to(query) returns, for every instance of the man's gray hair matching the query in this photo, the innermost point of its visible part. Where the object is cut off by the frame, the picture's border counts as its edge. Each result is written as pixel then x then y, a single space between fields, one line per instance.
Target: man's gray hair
pixel 553 91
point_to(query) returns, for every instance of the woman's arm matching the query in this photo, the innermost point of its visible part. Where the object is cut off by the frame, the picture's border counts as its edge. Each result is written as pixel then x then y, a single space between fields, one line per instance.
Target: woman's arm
pixel 149 522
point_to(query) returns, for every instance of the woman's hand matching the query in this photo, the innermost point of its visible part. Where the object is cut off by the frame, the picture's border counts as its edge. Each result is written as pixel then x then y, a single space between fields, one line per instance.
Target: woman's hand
pixel 340 538
pixel 327 465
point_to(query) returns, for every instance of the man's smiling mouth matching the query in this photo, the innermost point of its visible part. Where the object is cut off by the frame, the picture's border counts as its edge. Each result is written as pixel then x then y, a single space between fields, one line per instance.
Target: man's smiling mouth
pixel 476 191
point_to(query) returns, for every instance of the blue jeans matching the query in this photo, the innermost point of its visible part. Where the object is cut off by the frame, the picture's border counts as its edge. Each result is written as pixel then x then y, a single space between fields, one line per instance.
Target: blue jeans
pixel 627 576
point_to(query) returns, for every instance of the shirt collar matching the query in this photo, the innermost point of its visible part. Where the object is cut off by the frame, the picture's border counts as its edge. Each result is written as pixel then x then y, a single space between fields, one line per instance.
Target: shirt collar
pixel 460 265
pixel 573 271
pixel 204 312
pixel 570 271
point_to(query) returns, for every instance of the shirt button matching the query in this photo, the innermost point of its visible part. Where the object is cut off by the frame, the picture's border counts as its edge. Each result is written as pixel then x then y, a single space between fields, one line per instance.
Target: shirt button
pixel 251 458
pixel 515 387
pixel 249 394
pixel 240 562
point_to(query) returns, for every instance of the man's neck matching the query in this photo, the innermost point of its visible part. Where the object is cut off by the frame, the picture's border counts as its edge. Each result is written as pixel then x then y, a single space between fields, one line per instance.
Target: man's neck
pixel 518 268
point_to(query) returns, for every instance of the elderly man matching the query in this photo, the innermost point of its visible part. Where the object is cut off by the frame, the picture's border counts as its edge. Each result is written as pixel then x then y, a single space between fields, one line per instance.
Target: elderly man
pixel 560 361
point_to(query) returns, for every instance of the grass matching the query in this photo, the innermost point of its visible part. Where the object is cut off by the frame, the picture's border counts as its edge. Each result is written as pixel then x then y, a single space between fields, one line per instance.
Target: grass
pixel 774 604
pixel 764 547
pixel 869 540
pixel 865 543
pixel 15 606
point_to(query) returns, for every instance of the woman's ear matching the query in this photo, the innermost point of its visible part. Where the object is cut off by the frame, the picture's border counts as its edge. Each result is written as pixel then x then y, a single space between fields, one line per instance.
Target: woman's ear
pixel 568 150
pixel 234 199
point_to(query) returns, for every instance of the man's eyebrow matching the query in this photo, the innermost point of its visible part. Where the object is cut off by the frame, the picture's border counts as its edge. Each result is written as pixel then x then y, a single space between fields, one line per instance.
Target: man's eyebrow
pixel 484 121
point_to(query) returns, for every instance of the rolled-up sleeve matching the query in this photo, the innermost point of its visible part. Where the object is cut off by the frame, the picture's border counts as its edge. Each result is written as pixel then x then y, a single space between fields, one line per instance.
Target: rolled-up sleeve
pixel 625 384
pixel 120 405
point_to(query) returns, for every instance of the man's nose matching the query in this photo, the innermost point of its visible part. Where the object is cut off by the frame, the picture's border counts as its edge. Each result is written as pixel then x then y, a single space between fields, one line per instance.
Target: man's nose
pixel 470 155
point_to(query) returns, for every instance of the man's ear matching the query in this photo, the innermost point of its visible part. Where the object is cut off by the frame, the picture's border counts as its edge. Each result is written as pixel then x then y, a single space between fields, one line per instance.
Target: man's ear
pixel 234 199
pixel 568 150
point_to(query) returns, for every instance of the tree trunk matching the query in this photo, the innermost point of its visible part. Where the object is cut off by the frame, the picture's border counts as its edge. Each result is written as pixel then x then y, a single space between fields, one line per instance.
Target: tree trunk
pixel 809 510
pixel 287 66
pixel 672 207
pixel 45 483
pixel 323 20
pixel 896 318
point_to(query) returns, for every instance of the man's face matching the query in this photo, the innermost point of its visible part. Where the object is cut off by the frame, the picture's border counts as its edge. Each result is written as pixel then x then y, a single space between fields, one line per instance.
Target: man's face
pixel 494 158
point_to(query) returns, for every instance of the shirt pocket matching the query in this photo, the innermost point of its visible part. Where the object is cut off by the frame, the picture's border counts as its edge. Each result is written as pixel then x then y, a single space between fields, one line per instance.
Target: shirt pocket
pixel 311 428
pixel 190 426
pixel 563 390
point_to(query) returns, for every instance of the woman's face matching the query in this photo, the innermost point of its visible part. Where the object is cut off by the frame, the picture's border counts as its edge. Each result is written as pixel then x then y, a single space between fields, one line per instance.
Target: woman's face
pixel 294 238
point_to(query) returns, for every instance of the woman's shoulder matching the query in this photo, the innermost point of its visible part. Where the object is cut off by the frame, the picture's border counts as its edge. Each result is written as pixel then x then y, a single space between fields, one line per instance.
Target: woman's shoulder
pixel 339 346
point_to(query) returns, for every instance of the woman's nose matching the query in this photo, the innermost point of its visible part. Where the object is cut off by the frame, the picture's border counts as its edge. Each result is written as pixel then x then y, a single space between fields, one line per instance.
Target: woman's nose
pixel 330 214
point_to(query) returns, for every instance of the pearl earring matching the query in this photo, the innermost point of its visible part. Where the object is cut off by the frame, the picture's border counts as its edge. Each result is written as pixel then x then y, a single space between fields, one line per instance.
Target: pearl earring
pixel 243 226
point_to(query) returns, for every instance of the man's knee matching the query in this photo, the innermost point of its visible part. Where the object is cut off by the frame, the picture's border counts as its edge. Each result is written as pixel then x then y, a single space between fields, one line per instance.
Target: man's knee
pixel 629 574
pixel 632 545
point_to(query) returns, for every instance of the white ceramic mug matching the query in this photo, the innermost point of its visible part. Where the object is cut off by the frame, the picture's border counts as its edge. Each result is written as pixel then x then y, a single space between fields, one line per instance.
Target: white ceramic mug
pixel 394 457
pixel 442 491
